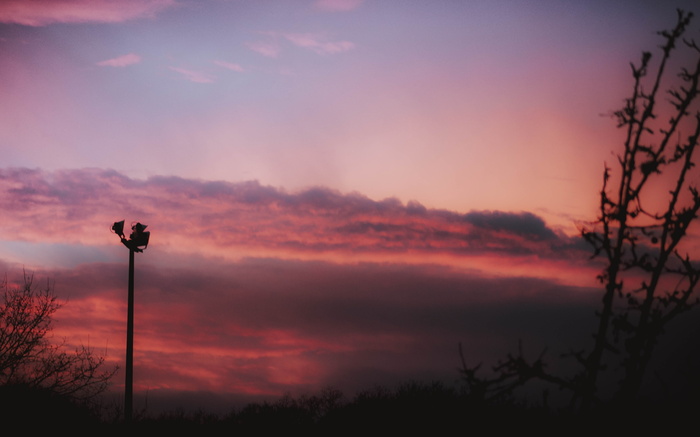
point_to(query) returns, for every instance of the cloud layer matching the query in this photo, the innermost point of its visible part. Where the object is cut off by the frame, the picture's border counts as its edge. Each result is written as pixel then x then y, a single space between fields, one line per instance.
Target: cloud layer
pixel 267 326
pixel 249 290
pixel 233 220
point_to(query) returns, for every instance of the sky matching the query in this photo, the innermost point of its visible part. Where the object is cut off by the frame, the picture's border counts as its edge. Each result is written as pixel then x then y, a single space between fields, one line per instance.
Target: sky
pixel 339 192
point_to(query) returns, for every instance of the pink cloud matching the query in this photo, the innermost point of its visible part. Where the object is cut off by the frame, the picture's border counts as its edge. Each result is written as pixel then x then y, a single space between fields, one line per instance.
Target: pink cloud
pixel 269 49
pixel 251 289
pixel 229 66
pixel 318 43
pixel 338 5
pixel 121 61
pixel 194 76
pixel 247 214
pixel 231 220
pixel 44 12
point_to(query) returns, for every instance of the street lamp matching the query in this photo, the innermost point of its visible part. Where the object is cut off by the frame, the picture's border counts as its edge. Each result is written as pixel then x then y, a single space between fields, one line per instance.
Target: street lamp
pixel 137 242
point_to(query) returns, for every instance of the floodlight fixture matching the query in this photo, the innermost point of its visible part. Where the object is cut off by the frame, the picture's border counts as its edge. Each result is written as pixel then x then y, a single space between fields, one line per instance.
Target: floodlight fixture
pixel 138 239
pixel 118 228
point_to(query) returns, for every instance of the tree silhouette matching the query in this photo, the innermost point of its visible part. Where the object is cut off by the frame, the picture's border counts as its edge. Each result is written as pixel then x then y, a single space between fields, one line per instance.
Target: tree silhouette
pixel 28 358
pixel 645 213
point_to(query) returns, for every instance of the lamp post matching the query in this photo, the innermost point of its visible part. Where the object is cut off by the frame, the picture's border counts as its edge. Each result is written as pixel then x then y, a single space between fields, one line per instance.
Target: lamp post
pixel 137 242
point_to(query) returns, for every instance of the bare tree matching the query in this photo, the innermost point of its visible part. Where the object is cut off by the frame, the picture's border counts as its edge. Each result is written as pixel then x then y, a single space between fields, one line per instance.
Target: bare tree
pixel 645 212
pixel 27 357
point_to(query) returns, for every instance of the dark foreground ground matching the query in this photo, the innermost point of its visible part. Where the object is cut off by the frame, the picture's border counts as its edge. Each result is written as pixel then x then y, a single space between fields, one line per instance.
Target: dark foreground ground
pixel 409 409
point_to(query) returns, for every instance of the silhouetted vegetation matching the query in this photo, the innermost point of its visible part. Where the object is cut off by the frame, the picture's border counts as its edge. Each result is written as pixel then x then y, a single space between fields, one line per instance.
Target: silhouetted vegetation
pixel 646 209
pixel 34 410
pixel 410 408
pixel 43 387
pixel 29 359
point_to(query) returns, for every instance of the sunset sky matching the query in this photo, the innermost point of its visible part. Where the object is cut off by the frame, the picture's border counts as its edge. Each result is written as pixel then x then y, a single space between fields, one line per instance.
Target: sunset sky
pixel 339 192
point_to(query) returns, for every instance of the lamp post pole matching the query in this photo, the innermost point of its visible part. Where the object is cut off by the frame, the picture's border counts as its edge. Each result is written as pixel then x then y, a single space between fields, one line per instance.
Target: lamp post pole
pixel 137 242
pixel 129 382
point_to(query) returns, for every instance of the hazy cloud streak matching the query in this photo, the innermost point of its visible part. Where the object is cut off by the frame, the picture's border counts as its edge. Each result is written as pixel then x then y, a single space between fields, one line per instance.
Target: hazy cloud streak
pixel 318 43
pixel 194 76
pixel 270 49
pixel 229 66
pixel 338 5
pixel 45 12
pixel 121 61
